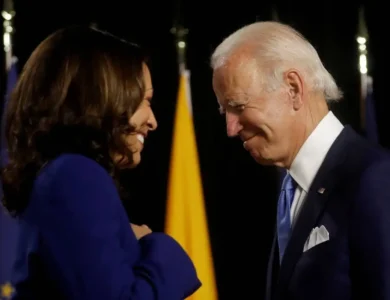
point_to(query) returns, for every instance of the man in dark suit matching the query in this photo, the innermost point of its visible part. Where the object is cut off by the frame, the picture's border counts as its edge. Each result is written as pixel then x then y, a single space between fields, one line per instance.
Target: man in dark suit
pixel 332 238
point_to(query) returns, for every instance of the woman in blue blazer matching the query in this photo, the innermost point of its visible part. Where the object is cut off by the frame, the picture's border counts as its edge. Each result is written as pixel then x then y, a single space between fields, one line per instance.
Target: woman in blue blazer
pixel 79 114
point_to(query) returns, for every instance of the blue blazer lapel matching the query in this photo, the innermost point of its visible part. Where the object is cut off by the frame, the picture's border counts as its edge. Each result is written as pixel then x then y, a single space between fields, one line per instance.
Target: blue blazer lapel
pixel 312 209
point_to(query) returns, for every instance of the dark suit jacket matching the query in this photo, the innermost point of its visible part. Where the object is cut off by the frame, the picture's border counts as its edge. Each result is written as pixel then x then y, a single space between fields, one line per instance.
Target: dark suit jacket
pixel 76 243
pixel 355 209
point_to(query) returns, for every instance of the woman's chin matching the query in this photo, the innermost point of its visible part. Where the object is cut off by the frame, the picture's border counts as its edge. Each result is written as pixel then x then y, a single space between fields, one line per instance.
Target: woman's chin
pixel 133 165
pixel 136 160
pixel 125 164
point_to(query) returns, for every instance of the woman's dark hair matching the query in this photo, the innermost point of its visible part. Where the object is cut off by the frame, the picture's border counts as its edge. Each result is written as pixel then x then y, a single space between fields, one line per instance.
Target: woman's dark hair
pixel 75 94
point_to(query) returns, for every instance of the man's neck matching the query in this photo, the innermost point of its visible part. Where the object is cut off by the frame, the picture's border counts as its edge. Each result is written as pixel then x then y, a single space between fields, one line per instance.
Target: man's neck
pixel 312 116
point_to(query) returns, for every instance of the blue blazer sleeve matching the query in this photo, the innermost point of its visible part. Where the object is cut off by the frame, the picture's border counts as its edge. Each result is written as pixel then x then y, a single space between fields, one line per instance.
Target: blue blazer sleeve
pixel 82 228
pixel 370 235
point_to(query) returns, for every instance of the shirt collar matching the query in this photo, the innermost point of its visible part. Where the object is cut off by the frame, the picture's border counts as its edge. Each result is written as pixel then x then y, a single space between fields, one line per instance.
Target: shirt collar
pixel 312 153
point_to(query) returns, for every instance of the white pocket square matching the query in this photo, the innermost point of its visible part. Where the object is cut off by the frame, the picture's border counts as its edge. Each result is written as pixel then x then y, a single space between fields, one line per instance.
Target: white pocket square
pixel 317 236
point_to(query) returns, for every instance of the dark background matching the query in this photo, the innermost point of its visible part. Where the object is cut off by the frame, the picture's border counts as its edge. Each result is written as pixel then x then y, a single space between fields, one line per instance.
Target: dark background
pixel 240 195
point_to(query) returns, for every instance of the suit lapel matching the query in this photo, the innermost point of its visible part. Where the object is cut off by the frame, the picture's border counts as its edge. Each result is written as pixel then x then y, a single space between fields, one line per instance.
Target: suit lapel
pixel 313 207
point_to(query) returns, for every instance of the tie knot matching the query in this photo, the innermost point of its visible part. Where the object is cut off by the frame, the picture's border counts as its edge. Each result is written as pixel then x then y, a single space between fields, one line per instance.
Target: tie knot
pixel 288 182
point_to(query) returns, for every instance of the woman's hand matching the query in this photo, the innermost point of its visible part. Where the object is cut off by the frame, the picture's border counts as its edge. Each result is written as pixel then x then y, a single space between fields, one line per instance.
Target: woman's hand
pixel 140 230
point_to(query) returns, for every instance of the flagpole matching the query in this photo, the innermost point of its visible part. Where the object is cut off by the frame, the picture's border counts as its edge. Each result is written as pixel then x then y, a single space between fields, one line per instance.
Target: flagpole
pixel 8 14
pixel 274 14
pixel 180 33
pixel 362 39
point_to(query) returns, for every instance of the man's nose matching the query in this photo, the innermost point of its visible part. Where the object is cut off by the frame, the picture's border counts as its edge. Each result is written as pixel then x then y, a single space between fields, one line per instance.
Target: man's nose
pixel 233 125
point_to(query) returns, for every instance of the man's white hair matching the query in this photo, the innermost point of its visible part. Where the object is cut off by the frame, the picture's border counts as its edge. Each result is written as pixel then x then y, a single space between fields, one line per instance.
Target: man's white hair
pixel 276 47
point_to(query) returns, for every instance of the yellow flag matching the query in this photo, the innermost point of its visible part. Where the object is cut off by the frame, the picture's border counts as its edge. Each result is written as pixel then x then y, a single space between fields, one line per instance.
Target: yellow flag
pixel 186 219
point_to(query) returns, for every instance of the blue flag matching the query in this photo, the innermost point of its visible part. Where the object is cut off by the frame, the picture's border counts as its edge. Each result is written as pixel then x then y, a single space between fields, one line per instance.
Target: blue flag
pixel 8 225
pixel 370 114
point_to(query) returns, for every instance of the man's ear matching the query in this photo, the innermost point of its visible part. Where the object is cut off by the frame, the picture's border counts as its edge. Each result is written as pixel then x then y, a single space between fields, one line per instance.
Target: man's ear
pixel 294 83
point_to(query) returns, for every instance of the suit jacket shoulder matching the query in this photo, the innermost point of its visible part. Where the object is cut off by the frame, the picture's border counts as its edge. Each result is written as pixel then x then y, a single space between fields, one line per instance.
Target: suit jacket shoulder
pixel 350 198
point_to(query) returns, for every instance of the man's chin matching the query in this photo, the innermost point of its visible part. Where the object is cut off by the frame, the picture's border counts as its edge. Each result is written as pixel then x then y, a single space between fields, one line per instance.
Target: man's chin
pixel 261 159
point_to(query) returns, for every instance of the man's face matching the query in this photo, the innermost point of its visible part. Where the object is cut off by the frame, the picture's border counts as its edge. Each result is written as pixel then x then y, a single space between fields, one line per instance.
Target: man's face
pixel 265 121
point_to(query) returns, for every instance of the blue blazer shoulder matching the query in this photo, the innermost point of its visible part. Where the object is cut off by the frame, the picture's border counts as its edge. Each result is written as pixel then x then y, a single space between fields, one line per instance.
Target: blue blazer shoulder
pixel 76 242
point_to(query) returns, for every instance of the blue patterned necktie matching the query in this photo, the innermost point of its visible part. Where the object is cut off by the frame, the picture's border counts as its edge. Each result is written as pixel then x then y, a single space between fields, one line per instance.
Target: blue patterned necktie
pixel 283 215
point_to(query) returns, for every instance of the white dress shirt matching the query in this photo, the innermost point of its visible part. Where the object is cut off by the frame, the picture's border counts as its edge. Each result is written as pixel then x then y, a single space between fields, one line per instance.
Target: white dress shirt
pixel 310 157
